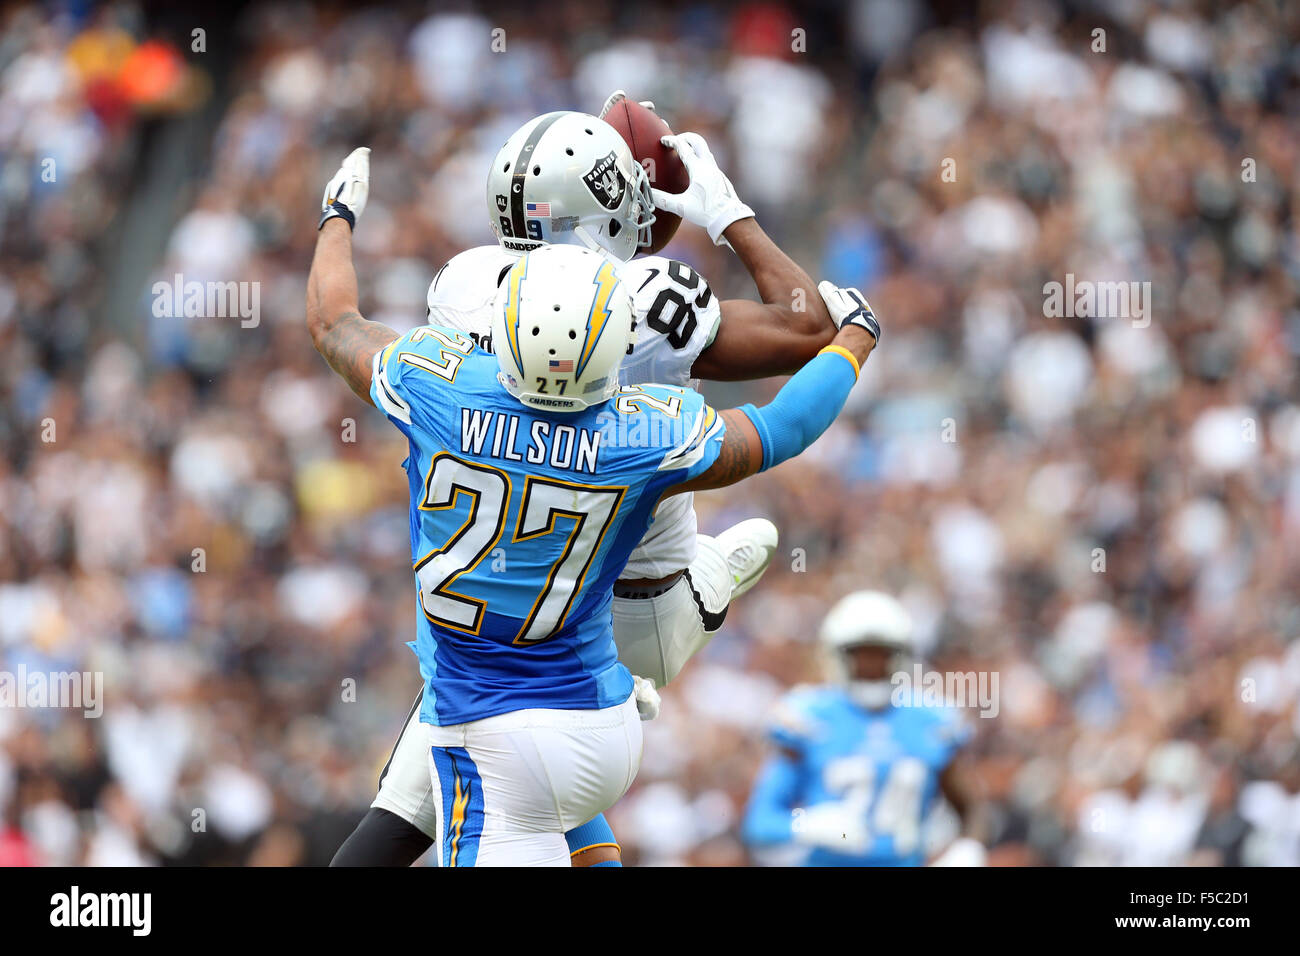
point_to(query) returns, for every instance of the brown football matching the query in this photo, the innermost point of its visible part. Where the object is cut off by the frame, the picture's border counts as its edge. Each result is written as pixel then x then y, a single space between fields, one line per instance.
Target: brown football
pixel 641 129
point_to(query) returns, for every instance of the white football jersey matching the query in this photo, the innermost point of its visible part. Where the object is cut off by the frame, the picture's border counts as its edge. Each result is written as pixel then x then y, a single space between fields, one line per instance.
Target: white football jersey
pixel 677 316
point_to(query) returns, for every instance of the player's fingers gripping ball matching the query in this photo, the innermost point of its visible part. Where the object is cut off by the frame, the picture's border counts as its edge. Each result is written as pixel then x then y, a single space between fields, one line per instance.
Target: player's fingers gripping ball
pixel 643 130
pixel 710 201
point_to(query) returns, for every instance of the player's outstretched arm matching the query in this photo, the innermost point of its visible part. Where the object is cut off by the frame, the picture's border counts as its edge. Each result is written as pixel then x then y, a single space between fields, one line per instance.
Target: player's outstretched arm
pixel 346 340
pixel 777 336
pixel 791 325
pixel 770 812
pixel 760 438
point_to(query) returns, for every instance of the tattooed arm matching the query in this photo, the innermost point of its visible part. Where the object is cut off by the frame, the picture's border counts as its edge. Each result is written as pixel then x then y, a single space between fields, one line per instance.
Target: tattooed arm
pixel 741 455
pixel 760 438
pixel 347 341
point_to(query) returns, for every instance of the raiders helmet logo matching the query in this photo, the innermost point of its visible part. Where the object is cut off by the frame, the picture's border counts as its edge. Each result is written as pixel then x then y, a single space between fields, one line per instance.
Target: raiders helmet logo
pixel 606 182
pixel 501 202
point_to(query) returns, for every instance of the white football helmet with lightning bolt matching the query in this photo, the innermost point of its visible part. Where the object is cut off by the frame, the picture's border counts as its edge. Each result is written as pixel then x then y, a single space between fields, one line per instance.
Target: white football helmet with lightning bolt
pixel 561 324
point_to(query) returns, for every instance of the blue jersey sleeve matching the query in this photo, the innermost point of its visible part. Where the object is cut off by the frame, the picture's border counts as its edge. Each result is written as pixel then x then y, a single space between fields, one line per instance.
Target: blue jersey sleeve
pixel 782 783
pixel 769 816
pixel 412 378
pixel 806 405
pixel 794 721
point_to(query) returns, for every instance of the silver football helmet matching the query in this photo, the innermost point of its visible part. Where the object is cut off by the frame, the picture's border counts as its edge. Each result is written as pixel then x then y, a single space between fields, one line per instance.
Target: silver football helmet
pixel 569 177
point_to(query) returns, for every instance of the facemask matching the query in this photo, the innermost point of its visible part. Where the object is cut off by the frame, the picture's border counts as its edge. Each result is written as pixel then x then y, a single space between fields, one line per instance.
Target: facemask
pixel 871 694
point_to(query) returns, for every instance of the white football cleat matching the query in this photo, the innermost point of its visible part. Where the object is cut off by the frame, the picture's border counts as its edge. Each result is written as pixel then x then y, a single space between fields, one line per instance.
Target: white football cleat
pixel 750 547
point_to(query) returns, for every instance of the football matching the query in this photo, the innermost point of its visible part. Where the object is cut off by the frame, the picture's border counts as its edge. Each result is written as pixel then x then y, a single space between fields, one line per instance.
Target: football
pixel 641 129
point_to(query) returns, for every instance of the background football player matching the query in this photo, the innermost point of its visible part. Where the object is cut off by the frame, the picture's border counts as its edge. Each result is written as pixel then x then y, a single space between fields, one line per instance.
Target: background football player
pixel 531 720
pixel 853 777
pixel 551 182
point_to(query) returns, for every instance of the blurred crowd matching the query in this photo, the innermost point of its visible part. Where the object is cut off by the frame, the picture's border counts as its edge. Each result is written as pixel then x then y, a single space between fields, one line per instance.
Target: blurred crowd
pixel 1103 510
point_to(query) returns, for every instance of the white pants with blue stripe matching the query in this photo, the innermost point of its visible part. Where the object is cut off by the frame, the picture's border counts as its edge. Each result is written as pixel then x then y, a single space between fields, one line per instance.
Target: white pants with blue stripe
pixel 655 637
pixel 506 788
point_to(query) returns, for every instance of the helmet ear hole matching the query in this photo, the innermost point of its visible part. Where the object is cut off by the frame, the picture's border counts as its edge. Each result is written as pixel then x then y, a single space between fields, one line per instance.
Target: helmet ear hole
pixel 615 227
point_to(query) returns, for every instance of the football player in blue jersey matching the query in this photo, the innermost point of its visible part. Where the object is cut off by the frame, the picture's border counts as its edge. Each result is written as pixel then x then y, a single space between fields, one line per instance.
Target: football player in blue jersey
pixel 853 777
pixel 538 457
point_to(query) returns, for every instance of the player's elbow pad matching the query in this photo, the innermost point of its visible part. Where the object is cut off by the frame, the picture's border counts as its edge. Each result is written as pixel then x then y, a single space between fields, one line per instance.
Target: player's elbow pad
pixel 805 406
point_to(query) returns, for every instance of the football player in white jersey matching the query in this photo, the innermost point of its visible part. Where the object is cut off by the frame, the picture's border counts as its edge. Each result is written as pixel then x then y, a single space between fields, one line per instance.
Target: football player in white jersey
pixel 569 177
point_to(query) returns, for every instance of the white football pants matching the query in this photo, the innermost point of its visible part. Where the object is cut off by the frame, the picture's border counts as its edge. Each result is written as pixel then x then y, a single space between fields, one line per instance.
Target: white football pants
pixel 656 636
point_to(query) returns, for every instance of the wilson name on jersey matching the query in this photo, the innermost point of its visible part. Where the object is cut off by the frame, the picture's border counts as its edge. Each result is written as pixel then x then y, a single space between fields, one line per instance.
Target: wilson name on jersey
pixel 521 520
pixel 677 317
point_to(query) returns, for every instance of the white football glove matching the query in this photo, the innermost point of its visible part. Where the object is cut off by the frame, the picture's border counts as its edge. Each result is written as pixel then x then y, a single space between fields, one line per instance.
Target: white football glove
pixel 620 95
pixel 849 307
pixel 832 826
pixel 647 698
pixel 345 196
pixel 963 851
pixel 710 202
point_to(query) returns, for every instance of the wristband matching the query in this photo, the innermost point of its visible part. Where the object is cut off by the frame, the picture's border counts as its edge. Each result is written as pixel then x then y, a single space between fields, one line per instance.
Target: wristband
pixel 337 210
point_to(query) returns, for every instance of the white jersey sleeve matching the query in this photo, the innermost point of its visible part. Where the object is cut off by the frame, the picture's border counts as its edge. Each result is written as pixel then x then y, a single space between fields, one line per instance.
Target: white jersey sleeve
pixel 462 292
pixel 677 317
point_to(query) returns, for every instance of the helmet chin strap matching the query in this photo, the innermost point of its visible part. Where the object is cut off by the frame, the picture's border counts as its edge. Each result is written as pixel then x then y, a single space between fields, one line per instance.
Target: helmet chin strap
pixel 589 240
pixel 871 694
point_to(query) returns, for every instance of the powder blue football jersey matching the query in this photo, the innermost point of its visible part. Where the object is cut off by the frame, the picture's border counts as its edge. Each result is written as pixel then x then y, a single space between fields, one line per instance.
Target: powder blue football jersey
pixel 884 764
pixel 521 520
